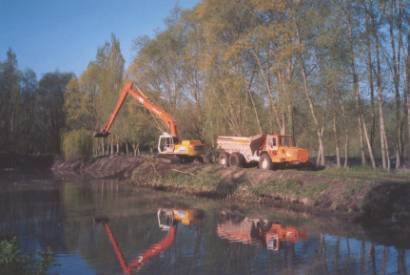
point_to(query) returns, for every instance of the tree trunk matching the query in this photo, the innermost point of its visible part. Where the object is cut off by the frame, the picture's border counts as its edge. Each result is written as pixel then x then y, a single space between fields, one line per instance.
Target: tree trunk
pixel 407 95
pixel 103 146
pixel 135 148
pixel 346 153
pixel 383 137
pixel 117 145
pixel 369 146
pixel 362 152
pixel 274 112
pixel 371 82
pixel 396 82
pixel 320 160
pixel 356 91
pixel 127 149
pixel 346 144
pixel 336 137
pixel 253 102
pixel 292 122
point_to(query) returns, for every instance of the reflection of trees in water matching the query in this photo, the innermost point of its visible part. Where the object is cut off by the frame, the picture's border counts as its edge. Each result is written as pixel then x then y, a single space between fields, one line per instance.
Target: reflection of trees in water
pixel 34 217
pixel 199 249
pixel 62 219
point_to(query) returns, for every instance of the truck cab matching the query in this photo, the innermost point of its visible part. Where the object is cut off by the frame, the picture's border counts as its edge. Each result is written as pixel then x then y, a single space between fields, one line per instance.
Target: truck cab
pixel 281 149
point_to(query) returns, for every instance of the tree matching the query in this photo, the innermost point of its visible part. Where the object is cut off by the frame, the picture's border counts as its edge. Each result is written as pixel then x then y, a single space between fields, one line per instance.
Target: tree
pixel 50 101
pixel 10 95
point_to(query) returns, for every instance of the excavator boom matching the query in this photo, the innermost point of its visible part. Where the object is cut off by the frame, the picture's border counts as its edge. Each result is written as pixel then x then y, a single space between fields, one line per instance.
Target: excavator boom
pixel 130 89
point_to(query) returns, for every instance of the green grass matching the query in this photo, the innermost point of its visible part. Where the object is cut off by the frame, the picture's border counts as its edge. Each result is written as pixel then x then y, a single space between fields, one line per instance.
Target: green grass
pixel 365 173
pixel 289 187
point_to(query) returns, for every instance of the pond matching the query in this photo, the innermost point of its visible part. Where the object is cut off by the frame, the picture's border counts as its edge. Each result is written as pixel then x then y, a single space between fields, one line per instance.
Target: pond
pixel 106 227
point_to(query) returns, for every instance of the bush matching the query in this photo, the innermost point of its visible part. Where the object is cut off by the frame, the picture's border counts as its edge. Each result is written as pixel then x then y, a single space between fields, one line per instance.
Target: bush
pixel 13 261
pixel 77 144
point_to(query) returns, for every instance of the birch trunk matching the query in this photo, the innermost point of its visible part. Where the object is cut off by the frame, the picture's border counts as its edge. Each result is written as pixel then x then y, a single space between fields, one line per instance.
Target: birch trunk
pixel 383 137
pixel 117 145
pixel 371 82
pixel 356 91
pixel 396 81
pixel 320 160
pixel 336 137
pixel 135 148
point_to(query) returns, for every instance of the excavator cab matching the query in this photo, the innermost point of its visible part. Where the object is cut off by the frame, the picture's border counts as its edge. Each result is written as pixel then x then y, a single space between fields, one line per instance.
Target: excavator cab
pixel 166 143
pixel 168 217
pixel 165 219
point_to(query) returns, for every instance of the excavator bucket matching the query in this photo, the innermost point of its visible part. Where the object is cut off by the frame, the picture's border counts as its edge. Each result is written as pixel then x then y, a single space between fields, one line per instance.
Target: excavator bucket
pixel 101 134
pixel 101 219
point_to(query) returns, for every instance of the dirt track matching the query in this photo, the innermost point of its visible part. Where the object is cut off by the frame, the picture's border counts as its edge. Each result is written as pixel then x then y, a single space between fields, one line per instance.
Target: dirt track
pixel 381 200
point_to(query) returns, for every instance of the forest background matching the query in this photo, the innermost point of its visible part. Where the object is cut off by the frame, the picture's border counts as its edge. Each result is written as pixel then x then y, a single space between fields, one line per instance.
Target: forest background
pixel 333 74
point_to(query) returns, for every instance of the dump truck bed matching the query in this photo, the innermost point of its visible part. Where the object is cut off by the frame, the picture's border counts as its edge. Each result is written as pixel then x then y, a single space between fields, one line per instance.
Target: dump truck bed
pixel 247 146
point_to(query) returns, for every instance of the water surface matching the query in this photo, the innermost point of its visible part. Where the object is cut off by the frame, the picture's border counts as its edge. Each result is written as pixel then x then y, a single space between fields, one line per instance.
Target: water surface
pixel 104 227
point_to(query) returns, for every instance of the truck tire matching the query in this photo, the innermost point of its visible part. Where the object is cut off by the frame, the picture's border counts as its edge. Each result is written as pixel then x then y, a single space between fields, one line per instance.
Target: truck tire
pixel 223 159
pixel 265 162
pixel 236 160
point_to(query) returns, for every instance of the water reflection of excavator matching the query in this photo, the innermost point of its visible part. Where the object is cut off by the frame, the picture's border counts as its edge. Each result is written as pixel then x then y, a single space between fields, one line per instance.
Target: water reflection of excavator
pixel 248 230
pixel 168 143
pixel 168 220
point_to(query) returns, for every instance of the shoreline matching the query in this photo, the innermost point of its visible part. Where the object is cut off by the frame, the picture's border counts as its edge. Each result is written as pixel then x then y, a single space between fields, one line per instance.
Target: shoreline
pixel 376 198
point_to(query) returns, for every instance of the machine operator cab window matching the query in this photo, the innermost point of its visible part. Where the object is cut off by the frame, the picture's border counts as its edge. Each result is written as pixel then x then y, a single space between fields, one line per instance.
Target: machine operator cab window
pixel 166 143
pixel 272 142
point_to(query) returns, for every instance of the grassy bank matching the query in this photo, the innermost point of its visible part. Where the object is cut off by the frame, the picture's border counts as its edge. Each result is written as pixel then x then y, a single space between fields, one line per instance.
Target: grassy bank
pixel 355 193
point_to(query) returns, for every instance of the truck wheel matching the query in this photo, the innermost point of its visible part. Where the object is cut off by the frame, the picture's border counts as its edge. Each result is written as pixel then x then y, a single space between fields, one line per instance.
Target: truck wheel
pixel 223 159
pixel 236 160
pixel 265 162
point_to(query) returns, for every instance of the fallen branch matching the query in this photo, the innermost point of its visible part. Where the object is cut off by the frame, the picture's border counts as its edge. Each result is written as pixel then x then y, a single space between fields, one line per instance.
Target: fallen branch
pixel 183 172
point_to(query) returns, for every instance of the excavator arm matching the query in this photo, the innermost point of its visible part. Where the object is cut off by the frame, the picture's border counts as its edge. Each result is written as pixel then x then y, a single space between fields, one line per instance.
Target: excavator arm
pixel 153 251
pixel 130 89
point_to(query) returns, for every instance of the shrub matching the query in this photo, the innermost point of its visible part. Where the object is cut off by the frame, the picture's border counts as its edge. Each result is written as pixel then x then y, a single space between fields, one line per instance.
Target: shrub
pixel 13 261
pixel 77 144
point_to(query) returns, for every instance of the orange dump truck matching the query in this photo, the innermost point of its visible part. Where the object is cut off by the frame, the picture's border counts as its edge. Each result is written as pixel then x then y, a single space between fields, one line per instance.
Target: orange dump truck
pixel 267 150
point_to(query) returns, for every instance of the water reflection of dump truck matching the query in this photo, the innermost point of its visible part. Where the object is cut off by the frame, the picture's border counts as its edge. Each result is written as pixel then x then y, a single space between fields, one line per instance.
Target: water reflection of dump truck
pixel 266 150
pixel 252 230
pixel 168 219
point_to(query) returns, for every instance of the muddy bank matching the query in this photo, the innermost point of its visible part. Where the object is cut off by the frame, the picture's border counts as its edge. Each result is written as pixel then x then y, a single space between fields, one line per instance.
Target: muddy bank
pixel 375 197
pixel 113 167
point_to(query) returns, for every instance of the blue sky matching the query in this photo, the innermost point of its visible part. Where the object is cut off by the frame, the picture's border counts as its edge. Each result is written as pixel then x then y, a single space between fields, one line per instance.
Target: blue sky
pixel 64 34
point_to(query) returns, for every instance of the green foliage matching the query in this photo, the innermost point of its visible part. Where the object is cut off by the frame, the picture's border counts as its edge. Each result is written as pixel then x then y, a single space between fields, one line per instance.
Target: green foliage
pixel 31 116
pixel 77 144
pixel 8 252
pixel 234 68
pixel 12 261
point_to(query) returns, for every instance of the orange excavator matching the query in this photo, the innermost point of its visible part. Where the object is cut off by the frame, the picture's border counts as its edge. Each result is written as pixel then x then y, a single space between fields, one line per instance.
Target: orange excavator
pixel 168 220
pixel 168 143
